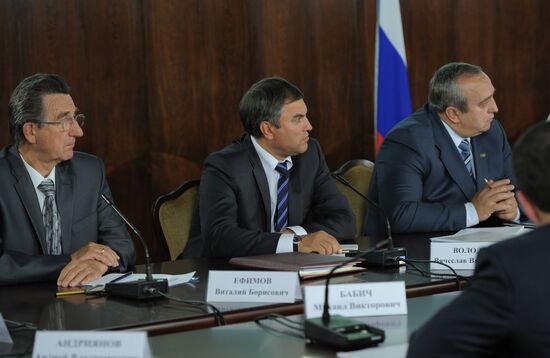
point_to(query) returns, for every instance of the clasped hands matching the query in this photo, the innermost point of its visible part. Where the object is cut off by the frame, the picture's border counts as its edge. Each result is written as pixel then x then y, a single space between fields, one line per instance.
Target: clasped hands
pixel 87 264
pixel 496 197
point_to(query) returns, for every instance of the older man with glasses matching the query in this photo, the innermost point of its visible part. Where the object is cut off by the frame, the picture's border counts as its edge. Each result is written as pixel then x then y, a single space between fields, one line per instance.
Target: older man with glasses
pixel 53 223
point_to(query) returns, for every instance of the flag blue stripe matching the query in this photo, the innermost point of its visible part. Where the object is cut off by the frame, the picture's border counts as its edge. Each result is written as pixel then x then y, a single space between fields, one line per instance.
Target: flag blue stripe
pixel 394 99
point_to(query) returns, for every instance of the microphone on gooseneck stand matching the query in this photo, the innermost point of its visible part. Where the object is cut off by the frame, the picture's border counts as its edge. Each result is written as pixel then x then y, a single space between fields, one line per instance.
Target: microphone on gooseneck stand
pixel 341 332
pixel 346 333
pixel 388 257
pixel 139 289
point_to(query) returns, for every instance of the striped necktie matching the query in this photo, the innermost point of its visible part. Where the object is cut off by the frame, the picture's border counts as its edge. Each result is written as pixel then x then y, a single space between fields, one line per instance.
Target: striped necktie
pixel 50 217
pixel 280 220
pixel 466 154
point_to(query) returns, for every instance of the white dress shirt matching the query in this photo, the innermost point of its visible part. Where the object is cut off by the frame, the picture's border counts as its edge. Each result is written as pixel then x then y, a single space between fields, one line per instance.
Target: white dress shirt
pixel 269 162
pixel 36 179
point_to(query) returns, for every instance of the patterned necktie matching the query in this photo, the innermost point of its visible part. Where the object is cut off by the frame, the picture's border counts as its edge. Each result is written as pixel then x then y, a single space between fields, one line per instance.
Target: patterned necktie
pixel 50 216
pixel 280 220
pixel 466 154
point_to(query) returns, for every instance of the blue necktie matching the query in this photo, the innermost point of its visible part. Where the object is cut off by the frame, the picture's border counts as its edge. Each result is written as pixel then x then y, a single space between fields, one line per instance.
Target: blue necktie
pixel 466 154
pixel 280 220
pixel 50 217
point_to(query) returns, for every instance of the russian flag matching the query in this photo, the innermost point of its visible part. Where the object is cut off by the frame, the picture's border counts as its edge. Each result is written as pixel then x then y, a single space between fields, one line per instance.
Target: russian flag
pixel 392 99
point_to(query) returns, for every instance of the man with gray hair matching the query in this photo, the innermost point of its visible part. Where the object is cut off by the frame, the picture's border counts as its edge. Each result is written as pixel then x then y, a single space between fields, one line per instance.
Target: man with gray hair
pixel 271 191
pixel 448 166
pixel 53 222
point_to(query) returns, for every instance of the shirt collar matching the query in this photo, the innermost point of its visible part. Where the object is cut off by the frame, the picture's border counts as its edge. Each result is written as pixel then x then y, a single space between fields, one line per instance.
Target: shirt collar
pixel 457 139
pixel 36 177
pixel 268 160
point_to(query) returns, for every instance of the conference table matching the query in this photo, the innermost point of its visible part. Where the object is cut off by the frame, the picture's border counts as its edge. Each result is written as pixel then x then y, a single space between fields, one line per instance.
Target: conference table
pixel 36 303
pixel 252 340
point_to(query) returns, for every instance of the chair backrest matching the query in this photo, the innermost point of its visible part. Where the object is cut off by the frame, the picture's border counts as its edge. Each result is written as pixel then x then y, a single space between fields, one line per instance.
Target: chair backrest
pixel 358 173
pixel 173 214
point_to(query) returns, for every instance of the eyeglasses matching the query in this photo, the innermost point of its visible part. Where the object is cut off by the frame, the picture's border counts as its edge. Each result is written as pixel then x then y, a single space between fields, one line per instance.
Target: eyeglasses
pixel 67 123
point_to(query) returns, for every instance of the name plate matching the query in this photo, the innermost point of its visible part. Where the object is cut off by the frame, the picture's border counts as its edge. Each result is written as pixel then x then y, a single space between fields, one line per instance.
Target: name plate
pixel 80 344
pixel 252 286
pixel 458 255
pixel 354 300
pixel 460 250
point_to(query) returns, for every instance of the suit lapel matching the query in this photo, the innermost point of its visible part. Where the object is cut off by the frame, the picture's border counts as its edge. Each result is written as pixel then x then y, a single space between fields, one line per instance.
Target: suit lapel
pixel 261 180
pixel 451 159
pixel 294 197
pixel 27 193
pixel 481 157
pixel 64 180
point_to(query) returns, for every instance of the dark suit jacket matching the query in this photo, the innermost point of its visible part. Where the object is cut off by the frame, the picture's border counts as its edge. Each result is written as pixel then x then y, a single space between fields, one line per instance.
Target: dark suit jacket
pixel 84 218
pixel 234 202
pixel 420 180
pixel 503 313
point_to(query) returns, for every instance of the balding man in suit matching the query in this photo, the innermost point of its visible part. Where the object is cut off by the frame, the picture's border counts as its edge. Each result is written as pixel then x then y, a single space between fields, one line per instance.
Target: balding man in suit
pixel 431 171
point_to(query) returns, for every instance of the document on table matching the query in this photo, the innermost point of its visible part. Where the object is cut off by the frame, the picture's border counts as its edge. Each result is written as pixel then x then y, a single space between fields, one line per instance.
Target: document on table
pixel 173 280
pixel 491 234
pixel 349 247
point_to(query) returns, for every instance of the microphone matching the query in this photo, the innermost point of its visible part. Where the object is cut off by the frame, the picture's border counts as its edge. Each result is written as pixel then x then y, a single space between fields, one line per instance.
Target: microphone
pixel 342 332
pixel 139 289
pixel 388 257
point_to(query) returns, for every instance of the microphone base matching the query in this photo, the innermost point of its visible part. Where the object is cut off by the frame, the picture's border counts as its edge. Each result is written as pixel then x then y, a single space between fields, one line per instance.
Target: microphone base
pixel 386 258
pixel 342 333
pixel 137 290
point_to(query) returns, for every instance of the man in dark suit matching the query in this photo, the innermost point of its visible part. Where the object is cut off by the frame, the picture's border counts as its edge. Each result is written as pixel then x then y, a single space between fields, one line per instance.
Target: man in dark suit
pixel 432 170
pixel 249 205
pixel 504 312
pixel 53 222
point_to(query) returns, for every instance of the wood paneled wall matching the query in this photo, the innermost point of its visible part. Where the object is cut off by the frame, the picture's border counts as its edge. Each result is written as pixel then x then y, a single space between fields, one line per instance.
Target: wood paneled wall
pixel 160 80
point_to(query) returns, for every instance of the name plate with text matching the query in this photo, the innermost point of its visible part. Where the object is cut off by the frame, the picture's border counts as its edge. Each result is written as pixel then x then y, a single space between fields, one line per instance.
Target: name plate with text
pixel 252 286
pixel 355 300
pixel 460 250
pixel 458 255
pixel 80 344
